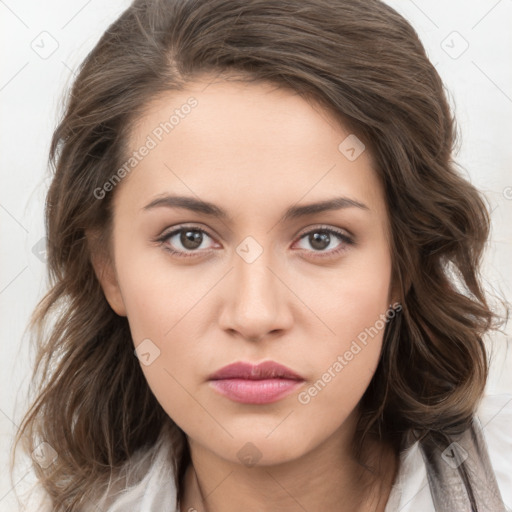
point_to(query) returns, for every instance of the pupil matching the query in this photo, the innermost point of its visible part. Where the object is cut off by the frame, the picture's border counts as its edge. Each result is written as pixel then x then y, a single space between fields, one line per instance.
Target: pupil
pixel 319 240
pixel 191 239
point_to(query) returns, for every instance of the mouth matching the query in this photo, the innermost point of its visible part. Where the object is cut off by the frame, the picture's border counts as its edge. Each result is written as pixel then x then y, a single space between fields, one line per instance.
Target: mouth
pixel 264 383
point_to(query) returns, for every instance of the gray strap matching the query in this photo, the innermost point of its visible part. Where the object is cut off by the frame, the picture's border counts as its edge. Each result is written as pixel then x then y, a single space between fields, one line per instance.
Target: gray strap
pixel 460 474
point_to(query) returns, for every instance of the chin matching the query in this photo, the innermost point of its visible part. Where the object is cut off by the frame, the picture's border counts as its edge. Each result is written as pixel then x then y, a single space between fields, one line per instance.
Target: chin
pixel 259 450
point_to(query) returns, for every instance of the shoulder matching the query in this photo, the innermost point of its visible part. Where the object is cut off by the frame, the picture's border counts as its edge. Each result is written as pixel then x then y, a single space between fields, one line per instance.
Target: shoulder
pixel 424 472
pixel 495 418
pixel 148 483
pixel 410 491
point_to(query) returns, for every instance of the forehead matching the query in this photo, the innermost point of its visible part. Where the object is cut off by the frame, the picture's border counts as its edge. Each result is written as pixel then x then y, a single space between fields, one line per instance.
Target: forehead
pixel 231 142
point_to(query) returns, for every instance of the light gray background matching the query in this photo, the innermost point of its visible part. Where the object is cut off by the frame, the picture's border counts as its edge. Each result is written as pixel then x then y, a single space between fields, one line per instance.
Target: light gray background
pixel 469 41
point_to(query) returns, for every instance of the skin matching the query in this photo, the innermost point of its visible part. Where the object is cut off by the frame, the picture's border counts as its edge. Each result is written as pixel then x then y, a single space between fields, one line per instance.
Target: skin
pixel 255 150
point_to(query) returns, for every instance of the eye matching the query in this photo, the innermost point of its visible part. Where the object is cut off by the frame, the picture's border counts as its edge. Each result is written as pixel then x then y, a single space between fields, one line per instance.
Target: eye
pixel 323 238
pixel 185 241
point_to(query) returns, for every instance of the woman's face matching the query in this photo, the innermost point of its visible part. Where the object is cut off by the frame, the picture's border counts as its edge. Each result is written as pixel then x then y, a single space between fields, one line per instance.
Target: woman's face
pixel 259 274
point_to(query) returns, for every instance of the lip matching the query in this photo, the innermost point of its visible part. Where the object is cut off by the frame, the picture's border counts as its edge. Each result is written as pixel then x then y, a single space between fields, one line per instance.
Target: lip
pixel 263 383
pixel 264 370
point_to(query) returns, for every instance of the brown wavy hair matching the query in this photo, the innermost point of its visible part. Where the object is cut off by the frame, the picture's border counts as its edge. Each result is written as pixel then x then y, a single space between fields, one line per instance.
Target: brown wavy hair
pixel 363 62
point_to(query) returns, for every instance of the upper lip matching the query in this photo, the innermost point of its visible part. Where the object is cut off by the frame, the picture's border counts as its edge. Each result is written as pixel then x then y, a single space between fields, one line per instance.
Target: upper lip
pixel 264 370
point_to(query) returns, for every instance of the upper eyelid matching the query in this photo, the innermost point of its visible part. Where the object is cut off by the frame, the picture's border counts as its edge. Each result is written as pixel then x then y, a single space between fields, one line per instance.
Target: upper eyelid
pixel 172 231
pixel 319 227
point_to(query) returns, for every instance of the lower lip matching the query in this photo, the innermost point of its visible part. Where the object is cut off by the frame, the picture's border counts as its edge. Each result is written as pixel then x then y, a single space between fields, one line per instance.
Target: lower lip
pixel 263 391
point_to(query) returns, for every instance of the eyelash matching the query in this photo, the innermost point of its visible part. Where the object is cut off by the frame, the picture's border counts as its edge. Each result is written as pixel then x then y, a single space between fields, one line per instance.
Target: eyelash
pixel 318 254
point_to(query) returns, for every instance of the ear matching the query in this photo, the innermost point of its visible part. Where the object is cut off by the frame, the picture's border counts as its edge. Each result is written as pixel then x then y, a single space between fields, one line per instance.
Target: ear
pixel 104 269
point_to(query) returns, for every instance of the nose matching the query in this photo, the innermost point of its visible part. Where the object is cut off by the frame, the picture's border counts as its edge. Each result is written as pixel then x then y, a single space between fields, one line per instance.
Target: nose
pixel 255 304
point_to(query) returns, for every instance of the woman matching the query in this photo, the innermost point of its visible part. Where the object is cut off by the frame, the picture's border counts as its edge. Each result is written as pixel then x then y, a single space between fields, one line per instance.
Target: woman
pixel 258 200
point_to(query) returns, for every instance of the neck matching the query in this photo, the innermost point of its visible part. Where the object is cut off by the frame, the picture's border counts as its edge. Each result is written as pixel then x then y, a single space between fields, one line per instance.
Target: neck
pixel 327 478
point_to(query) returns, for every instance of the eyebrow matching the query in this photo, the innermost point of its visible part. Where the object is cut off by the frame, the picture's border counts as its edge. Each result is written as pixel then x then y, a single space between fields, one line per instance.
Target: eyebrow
pixel 293 212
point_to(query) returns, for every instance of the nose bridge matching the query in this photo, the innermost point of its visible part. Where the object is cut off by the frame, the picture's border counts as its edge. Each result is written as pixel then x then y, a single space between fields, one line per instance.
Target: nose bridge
pixel 254 299
pixel 254 280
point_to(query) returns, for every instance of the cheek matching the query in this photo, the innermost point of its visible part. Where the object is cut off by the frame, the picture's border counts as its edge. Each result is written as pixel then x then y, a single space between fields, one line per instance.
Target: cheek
pixel 156 295
pixel 351 297
pixel 354 306
pixel 163 304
